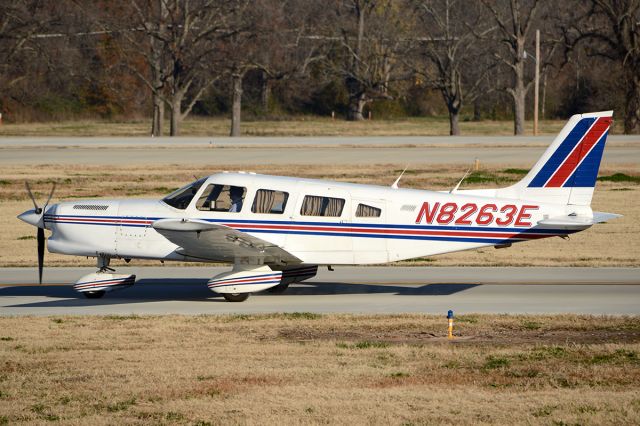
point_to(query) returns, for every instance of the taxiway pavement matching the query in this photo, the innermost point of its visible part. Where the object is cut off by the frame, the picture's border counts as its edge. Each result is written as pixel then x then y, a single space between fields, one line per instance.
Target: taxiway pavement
pixel 220 152
pixel 361 290
pixel 292 141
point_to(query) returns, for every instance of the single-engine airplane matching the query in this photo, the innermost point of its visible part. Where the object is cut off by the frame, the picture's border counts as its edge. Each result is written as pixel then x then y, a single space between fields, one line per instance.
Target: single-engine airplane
pixel 278 230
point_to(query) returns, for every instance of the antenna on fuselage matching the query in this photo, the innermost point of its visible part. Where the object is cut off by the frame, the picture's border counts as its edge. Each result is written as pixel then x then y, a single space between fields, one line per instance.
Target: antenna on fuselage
pixel 395 184
pixel 455 189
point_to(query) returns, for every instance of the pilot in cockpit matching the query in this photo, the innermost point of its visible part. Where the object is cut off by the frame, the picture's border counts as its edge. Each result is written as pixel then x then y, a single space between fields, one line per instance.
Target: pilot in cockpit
pixel 236 194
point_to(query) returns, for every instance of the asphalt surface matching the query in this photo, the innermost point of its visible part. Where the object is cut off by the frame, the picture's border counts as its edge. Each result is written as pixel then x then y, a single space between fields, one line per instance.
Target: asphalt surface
pixel 174 290
pixel 219 152
pixel 292 141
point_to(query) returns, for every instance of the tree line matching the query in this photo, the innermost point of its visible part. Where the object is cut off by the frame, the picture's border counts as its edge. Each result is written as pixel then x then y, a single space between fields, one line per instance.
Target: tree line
pixel 167 59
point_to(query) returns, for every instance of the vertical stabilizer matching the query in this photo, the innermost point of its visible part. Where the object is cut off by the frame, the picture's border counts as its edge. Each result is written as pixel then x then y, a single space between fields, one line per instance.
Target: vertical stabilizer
pixel 567 171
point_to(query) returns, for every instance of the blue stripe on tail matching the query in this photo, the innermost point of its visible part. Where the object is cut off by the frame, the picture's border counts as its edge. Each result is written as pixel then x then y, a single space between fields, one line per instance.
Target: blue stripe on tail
pixel 587 172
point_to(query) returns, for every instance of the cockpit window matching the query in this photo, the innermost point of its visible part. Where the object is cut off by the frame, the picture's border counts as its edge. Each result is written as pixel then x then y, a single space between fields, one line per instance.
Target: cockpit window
pixel 222 198
pixel 181 198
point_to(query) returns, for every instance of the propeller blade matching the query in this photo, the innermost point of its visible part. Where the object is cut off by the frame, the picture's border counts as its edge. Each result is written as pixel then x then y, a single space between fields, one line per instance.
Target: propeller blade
pixel 53 188
pixel 40 253
pixel 33 199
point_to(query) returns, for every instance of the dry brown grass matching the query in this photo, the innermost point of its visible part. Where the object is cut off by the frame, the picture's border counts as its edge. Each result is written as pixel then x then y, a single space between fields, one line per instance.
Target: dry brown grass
pixel 303 126
pixel 590 248
pixel 318 369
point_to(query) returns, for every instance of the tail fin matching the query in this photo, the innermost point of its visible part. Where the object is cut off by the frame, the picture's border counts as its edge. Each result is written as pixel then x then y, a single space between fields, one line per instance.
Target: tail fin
pixel 567 171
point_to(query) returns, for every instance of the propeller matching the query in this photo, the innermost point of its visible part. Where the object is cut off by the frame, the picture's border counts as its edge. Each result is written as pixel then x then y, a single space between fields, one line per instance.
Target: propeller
pixel 40 234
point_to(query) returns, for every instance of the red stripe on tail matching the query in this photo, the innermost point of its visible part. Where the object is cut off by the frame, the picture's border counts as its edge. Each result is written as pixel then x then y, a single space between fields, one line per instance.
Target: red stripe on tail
pixel 572 161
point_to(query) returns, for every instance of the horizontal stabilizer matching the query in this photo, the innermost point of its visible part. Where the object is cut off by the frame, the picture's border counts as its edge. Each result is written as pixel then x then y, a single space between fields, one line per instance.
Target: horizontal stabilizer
pixel 576 223
pixel 567 223
pixel 599 217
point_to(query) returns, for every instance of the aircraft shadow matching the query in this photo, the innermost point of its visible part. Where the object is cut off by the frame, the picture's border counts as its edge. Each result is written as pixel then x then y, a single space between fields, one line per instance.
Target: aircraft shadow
pixel 164 289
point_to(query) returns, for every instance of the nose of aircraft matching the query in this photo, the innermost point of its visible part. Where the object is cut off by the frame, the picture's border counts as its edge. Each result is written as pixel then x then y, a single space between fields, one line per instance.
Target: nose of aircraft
pixel 32 218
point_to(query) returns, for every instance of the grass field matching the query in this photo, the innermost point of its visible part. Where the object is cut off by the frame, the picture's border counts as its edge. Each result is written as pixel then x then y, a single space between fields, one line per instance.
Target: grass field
pixel 305 368
pixel 302 126
pixel 611 244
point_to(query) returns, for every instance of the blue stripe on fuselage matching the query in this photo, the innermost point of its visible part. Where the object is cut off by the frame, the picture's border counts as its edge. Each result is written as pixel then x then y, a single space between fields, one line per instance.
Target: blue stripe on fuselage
pixel 53 219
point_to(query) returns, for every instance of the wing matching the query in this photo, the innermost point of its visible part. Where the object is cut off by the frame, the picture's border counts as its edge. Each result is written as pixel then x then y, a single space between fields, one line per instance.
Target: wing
pixel 205 240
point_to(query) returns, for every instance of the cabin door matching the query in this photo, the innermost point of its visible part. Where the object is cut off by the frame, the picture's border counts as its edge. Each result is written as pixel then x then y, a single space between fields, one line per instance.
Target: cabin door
pixel 320 231
pixel 368 218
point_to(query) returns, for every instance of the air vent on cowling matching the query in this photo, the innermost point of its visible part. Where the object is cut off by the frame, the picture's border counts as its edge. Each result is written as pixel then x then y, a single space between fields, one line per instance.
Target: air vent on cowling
pixel 90 207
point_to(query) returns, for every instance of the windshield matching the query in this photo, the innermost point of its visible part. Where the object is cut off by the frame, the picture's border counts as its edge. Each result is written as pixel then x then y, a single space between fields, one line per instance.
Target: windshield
pixel 182 197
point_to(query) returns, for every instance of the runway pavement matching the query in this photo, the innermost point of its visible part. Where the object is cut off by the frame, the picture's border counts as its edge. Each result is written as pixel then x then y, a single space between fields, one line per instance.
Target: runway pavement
pixel 175 290
pixel 226 151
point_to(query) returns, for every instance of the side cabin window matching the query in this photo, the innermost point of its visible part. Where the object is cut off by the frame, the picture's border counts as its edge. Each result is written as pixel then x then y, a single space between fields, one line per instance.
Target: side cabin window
pixel 269 201
pixel 314 205
pixel 181 198
pixel 364 210
pixel 222 198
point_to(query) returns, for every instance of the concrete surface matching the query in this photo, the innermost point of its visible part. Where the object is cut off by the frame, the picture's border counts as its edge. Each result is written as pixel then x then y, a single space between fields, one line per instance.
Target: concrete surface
pixel 174 290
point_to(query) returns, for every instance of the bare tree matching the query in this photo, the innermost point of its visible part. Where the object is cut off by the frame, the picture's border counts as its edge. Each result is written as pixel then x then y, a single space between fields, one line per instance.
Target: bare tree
pixel 21 24
pixel 449 55
pixel 178 41
pixel 156 59
pixel 612 30
pixel 291 41
pixel 143 27
pixel 274 39
pixel 239 52
pixel 370 41
pixel 514 25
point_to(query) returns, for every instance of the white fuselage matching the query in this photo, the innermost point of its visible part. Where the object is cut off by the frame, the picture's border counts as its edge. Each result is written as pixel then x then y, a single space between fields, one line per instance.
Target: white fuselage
pixel 406 224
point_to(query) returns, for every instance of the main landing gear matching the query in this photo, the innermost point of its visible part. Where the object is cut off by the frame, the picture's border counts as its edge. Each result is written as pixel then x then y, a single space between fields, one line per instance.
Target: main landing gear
pixel 94 294
pixel 236 297
pixel 96 285
pixel 236 285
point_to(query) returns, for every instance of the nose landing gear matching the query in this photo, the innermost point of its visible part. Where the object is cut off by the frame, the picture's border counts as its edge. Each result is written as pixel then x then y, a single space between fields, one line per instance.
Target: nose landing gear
pixel 97 284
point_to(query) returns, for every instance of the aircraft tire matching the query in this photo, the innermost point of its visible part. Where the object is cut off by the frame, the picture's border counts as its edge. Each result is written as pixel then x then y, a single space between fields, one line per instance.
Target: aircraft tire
pixel 94 294
pixel 279 289
pixel 236 297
